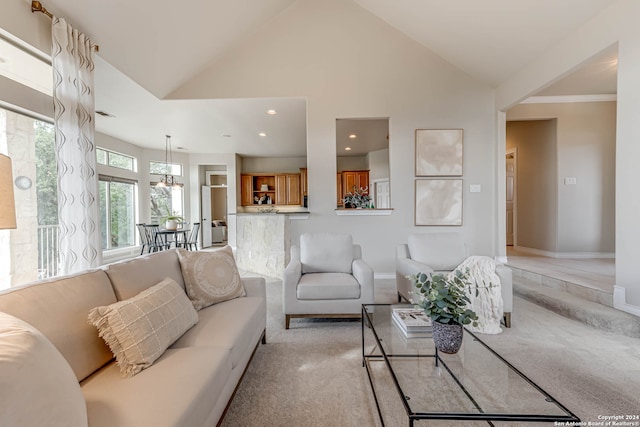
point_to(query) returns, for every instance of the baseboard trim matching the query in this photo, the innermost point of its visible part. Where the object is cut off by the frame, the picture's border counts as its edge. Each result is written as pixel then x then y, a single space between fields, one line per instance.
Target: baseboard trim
pixel 581 255
pixel 620 301
pixel 383 276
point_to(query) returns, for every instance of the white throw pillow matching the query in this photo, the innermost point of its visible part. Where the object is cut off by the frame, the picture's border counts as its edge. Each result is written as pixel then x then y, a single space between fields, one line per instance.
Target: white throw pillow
pixel 210 277
pixel 326 253
pixel 37 385
pixel 138 330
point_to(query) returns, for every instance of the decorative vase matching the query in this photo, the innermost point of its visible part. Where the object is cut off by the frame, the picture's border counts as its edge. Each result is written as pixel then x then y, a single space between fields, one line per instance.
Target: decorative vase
pixel 171 224
pixel 447 337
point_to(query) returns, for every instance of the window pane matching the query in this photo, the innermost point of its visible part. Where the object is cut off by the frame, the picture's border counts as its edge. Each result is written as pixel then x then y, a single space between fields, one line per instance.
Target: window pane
pixel 46 174
pixel 119 161
pixel 165 201
pixel 102 186
pixel 161 168
pixel 121 197
pixel 101 156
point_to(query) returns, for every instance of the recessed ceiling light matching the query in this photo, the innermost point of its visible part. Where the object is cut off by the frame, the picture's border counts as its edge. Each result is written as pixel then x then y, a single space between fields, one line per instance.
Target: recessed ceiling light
pixel 353 136
pixel 262 134
pixel 226 135
pixel 272 112
pixel 347 148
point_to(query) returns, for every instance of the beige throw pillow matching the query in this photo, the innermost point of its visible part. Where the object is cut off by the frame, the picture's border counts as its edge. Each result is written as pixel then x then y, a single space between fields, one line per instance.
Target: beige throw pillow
pixel 210 277
pixel 37 385
pixel 138 330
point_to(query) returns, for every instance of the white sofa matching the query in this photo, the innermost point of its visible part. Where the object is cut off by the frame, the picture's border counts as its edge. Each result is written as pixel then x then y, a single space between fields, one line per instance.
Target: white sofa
pixel 441 253
pixel 191 384
pixel 326 278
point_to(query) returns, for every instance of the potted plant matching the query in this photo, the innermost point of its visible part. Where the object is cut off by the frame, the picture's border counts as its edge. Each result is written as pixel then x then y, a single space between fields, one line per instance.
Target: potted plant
pixel 171 221
pixel 357 198
pixel 444 300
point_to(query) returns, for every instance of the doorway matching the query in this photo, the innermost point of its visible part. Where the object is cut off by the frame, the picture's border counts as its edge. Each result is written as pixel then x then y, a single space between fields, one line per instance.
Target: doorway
pixel 214 209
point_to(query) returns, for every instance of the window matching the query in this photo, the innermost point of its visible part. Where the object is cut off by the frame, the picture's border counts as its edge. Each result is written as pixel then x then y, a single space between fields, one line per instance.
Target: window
pixel 165 201
pixel 116 160
pixel 117 212
pixel 162 168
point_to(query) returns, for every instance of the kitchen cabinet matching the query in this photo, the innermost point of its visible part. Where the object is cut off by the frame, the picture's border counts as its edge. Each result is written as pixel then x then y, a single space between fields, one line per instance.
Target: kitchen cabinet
pixel 281 189
pixel 346 180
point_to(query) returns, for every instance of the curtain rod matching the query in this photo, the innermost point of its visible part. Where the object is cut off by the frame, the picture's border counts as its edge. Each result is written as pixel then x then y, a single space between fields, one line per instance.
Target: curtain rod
pixel 36 6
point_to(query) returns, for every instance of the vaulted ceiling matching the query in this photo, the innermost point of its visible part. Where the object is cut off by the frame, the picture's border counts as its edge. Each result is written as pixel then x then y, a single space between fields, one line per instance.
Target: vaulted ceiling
pixel 150 48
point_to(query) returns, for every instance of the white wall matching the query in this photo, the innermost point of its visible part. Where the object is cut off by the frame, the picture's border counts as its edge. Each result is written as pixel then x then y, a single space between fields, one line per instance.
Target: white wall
pixel 273 164
pixel 378 164
pixel 352 163
pixel 349 63
pixel 586 136
pixel 618 23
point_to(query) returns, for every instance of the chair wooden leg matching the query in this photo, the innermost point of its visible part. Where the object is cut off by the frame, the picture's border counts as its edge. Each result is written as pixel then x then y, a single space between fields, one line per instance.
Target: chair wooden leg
pixel 507 320
pixel 287 318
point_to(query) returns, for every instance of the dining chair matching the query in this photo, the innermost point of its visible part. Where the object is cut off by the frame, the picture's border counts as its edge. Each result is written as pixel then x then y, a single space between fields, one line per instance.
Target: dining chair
pixel 155 242
pixel 144 239
pixel 191 243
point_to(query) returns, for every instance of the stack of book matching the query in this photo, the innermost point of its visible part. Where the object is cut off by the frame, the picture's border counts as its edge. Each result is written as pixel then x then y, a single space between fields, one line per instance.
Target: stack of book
pixel 412 322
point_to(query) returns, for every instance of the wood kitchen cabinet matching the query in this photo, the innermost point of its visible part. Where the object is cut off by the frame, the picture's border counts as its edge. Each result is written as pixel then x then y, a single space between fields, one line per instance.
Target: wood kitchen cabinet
pixel 346 180
pixel 281 189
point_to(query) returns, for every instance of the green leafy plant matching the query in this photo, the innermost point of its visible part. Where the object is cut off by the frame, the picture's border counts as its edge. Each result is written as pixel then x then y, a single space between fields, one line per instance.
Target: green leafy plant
pixel 444 298
pixel 173 217
pixel 358 198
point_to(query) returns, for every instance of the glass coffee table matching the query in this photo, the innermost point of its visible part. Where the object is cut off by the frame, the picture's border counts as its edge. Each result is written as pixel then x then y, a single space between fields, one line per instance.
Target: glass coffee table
pixel 476 384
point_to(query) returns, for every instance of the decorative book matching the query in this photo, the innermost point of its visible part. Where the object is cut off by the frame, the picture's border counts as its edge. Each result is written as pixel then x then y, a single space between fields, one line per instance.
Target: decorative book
pixel 412 321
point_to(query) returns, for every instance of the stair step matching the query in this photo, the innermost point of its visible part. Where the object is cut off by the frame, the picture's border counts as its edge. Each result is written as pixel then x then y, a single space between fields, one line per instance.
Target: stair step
pixel 575 307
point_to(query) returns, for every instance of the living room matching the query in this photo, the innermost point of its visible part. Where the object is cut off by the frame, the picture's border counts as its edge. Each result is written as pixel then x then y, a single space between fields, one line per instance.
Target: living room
pixel 346 62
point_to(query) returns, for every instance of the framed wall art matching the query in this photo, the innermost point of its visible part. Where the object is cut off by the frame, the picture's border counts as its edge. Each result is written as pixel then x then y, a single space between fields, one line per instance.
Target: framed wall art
pixel 438 202
pixel 439 152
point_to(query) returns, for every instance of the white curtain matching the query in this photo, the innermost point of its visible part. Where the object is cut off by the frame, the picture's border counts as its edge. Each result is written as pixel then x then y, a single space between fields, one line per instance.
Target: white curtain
pixel 74 113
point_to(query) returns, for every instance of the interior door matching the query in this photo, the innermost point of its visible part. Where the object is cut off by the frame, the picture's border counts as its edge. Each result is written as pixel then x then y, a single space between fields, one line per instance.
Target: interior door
pixel 511 166
pixel 381 190
pixel 205 216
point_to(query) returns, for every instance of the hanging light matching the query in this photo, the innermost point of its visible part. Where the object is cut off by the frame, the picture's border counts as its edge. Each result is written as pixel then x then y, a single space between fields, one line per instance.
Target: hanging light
pixel 168 180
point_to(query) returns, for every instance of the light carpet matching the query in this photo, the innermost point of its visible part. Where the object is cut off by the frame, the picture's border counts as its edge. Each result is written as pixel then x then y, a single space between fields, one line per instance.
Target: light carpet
pixel 312 375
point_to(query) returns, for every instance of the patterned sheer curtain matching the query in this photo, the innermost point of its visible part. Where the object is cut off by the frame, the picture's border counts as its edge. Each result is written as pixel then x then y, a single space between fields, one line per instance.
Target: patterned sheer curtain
pixel 74 113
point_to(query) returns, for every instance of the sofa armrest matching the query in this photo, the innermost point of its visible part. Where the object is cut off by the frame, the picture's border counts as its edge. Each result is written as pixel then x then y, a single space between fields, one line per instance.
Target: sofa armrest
pixel 506 285
pixel 290 279
pixel 255 286
pixel 407 267
pixel 363 273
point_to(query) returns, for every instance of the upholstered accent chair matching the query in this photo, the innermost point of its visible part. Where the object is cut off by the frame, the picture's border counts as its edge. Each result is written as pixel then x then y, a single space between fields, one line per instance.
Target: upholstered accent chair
pixel 326 278
pixel 441 253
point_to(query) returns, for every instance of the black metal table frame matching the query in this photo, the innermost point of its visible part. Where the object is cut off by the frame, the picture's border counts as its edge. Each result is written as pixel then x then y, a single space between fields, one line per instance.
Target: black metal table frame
pixel 481 415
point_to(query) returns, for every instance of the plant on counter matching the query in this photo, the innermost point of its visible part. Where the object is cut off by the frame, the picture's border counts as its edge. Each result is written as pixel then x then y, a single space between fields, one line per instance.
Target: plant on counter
pixel 358 198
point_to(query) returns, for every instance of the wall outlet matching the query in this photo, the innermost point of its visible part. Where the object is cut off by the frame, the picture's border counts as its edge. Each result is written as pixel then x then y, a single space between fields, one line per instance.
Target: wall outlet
pixel 570 180
pixel 475 188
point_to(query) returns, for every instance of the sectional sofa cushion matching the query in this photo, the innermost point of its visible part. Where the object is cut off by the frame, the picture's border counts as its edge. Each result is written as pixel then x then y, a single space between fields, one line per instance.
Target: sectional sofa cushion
pixel 326 253
pixel 140 329
pixel 37 385
pixel 130 277
pixel 235 325
pixel 68 301
pixel 179 390
pixel 210 277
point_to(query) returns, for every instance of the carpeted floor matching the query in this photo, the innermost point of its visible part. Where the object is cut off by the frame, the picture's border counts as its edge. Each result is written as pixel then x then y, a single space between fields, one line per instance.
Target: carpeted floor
pixel 311 375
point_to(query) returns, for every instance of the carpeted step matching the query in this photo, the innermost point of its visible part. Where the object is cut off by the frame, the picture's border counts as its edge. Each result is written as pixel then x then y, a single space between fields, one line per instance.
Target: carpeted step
pixel 597 315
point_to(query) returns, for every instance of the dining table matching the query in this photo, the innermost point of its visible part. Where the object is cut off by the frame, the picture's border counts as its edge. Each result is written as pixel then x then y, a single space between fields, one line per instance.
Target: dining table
pixel 164 235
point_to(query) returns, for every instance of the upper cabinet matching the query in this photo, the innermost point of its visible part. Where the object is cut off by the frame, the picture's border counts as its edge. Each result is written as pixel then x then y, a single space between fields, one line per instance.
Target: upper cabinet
pixel 267 188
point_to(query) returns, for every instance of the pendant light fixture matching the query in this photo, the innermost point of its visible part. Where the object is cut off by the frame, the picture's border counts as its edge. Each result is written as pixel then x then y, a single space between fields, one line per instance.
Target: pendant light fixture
pixel 168 180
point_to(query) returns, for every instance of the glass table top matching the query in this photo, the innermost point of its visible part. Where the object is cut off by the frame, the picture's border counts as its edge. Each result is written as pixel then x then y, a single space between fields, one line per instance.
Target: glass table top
pixel 474 384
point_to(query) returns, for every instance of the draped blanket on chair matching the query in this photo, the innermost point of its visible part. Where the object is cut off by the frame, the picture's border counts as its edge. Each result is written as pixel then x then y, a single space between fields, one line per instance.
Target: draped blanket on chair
pixel 487 304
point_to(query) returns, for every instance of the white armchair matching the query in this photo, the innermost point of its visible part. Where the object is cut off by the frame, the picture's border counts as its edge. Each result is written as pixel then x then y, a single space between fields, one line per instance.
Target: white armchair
pixel 326 278
pixel 441 253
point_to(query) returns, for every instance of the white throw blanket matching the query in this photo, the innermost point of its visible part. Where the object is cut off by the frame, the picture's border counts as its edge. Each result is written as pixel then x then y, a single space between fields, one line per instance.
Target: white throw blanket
pixel 488 303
